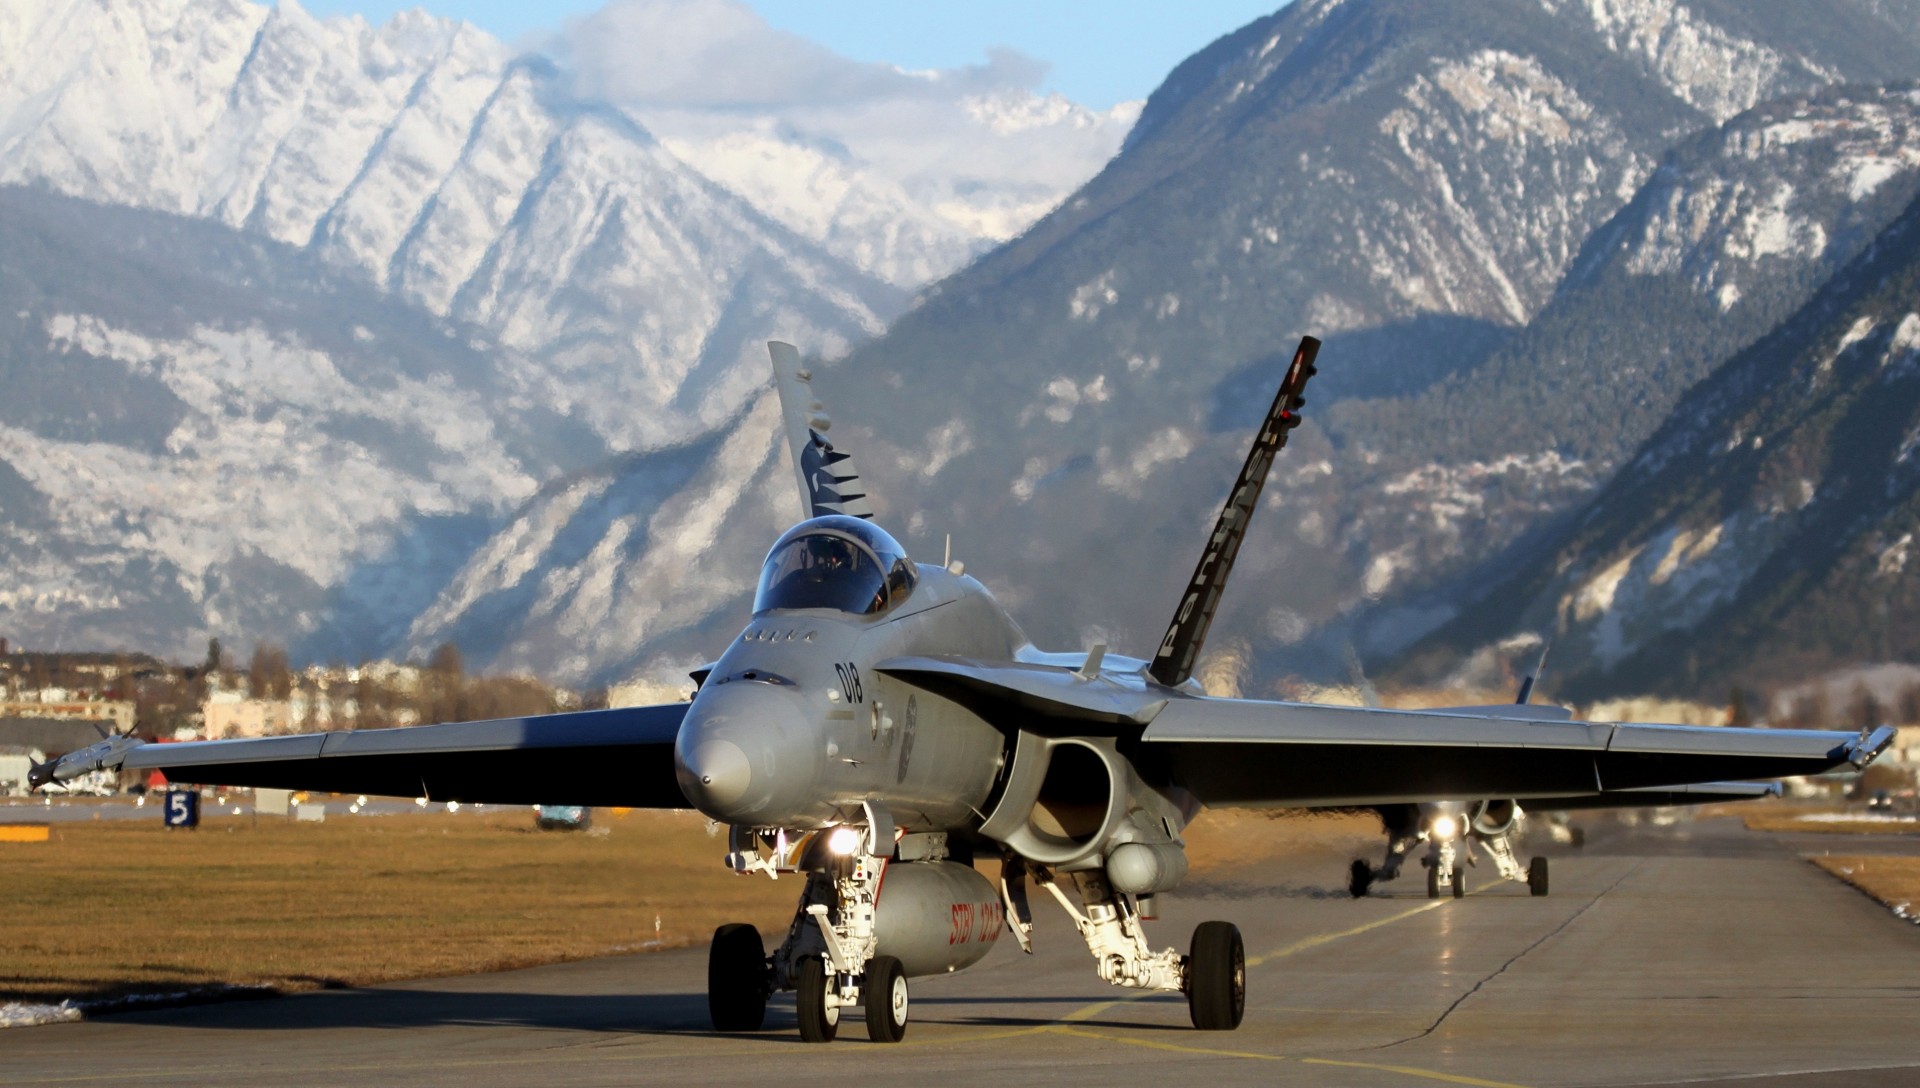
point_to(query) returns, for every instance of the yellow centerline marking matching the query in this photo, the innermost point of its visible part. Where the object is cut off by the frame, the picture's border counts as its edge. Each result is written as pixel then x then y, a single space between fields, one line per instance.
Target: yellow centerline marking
pixel 1088 1012
pixel 1328 938
pixel 1066 1024
pixel 1403 1070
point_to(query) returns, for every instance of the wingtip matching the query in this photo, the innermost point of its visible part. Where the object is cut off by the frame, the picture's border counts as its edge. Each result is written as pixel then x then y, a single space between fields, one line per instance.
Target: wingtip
pixel 1869 745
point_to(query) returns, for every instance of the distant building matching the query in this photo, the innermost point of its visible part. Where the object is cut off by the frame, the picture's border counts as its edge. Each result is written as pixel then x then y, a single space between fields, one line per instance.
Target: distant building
pixel 62 704
pixel 1905 750
pixel 15 761
pixel 56 736
pixel 226 714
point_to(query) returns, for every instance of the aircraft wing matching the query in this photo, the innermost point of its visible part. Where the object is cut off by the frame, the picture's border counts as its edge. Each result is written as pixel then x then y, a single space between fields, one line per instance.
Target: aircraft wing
pixel 1702 793
pixel 1245 752
pixel 615 758
pixel 1258 753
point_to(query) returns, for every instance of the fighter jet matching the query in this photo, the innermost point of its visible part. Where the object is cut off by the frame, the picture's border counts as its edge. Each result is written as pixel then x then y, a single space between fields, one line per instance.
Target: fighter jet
pixel 1452 829
pixel 880 722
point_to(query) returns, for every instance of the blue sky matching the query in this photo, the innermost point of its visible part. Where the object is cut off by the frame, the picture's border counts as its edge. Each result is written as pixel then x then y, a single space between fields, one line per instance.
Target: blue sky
pixel 1097 53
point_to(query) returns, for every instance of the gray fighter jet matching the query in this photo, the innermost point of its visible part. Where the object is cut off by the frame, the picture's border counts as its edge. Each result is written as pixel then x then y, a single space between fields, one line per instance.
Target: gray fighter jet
pixel 1452 829
pixel 880 722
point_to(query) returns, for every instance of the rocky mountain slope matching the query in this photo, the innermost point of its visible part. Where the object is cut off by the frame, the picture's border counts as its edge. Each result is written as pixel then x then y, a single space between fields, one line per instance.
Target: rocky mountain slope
pixel 207 433
pixel 1766 531
pixel 1733 233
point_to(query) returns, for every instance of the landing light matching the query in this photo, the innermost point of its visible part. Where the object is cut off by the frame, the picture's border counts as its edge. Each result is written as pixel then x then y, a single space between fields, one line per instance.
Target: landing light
pixel 843 841
pixel 1444 827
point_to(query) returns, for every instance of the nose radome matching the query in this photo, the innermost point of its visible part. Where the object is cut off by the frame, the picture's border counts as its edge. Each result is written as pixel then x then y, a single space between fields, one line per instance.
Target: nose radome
pixel 718 774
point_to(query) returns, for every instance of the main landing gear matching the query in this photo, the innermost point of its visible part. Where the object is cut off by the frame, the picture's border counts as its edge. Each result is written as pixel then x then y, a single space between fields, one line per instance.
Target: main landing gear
pixel 940 916
pixel 1213 975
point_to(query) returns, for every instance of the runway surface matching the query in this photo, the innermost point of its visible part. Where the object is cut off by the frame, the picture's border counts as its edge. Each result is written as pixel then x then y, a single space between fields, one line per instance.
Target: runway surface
pixel 1696 953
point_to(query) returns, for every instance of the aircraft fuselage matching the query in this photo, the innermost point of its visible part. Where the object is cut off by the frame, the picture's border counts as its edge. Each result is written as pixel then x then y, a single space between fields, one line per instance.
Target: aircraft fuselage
pixel 794 727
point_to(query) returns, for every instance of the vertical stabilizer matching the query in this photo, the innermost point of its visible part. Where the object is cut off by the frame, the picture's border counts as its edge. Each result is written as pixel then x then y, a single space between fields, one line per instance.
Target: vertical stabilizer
pixel 1173 664
pixel 828 483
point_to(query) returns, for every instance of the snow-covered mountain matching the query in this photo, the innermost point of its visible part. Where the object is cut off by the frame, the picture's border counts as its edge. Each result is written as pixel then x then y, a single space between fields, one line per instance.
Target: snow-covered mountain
pixel 251 466
pixel 425 156
pixel 1765 533
pixel 206 433
pixel 1733 233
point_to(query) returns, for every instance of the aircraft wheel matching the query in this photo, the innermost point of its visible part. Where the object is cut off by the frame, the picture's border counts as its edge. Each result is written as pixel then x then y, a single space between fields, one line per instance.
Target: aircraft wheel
pixel 1359 878
pixel 819 1021
pixel 1217 977
pixel 737 979
pixel 1459 883
pixel 1537 876
pixel 1433 882
pixel 886 990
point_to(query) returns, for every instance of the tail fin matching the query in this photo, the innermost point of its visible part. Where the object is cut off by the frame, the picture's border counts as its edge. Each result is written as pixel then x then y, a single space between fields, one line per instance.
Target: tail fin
pixel 828 483
pixel 1173 664
pixel 1539 670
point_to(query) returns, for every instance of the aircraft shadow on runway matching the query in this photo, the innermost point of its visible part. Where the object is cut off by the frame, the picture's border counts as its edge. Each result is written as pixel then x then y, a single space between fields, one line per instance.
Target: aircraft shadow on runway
pixel 402 1009
pixel 645 1014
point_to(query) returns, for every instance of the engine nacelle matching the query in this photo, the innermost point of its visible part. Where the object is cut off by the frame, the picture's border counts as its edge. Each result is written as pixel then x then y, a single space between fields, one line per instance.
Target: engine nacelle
pixel 1496 817
pixel 1063 799
pixel 936 916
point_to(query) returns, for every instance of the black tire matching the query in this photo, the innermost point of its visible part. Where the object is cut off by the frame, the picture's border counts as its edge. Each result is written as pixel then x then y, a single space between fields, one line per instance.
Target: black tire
pixel 818 1022
pixel 1433 882
pixel 1459 882
pixel 1537 876
pixel 737 979
pixel 1217 977
pixel 1359 878
pixel 886 997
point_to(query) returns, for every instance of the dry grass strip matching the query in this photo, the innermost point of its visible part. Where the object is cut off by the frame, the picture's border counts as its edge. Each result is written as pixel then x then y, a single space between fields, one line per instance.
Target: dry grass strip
pixel 1894 881
pixel 1800 820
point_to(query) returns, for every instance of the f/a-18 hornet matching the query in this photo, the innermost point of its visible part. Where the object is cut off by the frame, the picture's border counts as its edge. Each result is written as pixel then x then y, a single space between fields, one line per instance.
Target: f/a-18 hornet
pixel 880 722
pixel 1452 829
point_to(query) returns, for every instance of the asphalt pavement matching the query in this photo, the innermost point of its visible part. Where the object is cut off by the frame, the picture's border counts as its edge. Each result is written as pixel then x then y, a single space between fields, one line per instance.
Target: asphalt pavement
pixel 1700 953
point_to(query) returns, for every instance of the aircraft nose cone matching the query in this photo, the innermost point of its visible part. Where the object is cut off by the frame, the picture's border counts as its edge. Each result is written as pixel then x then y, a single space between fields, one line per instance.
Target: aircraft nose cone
pixel 717 775
pixel 746 754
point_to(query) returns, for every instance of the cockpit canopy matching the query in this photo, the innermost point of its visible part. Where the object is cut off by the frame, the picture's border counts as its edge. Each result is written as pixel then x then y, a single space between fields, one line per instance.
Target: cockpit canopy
pixel 836 562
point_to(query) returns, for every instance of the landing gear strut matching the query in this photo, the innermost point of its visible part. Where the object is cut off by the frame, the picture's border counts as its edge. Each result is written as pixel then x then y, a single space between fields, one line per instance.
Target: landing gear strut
pixel 1213 976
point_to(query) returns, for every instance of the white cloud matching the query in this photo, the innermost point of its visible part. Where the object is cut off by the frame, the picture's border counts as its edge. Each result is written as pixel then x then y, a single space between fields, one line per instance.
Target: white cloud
pixel 876 162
